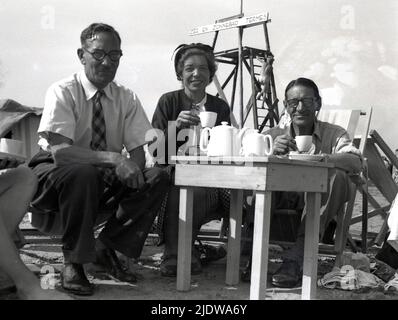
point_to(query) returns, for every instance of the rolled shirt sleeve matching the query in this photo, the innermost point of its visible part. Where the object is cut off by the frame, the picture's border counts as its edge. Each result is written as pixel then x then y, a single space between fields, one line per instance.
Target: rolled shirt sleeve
pixel 136 126
pixel 58 115
pixel 345 145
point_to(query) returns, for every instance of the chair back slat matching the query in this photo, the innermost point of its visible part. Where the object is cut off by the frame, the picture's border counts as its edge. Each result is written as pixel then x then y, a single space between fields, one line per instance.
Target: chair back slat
pixel 345 118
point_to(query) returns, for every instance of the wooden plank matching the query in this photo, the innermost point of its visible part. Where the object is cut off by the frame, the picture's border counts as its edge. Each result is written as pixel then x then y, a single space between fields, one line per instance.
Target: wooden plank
pixel 240 72
pixel 244 21
pixel 378 173
pixel 346 118
pixel 258 282
pixel 382 233
pixel 185 239
pixel 364 134
pixel 382 211
pixel 384 147
pixel 373 202
pixel 278 176
pixel 248 161
pixel 345 225
pixel 220 91
pixel 290 178
pixel 26 131
pixel 234 237
pixel 220 176
pixel 310 265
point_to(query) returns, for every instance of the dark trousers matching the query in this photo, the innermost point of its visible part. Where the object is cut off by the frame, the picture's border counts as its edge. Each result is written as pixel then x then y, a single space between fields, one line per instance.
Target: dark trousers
pixel 77 193
pixel 332 204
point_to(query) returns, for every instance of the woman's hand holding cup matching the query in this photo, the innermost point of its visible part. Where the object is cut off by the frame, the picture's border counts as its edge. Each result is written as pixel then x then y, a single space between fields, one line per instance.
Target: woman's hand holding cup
pixel 187 118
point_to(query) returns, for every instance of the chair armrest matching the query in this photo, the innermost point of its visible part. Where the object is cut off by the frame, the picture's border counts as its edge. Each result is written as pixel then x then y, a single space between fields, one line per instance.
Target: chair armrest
pixel 361 178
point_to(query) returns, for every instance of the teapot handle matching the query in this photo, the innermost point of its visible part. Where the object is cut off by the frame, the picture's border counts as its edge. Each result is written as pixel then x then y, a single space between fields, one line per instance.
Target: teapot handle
pixel 269 149
pixel 242 132
pixel 204 139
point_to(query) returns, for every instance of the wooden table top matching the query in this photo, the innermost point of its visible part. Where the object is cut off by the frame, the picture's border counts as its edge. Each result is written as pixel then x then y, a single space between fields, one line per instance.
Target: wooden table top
pixel 254 161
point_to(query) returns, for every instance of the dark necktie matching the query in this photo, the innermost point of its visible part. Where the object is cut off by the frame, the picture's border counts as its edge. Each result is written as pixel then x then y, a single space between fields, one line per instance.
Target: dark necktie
pixel 98 139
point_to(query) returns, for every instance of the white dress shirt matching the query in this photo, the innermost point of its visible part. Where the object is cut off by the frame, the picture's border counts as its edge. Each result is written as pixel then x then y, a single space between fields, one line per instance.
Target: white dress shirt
pixel 68 111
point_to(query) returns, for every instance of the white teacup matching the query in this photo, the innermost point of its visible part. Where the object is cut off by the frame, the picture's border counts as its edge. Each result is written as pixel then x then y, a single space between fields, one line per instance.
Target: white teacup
pixel 303 143
pixel 12 148
pixel 208 119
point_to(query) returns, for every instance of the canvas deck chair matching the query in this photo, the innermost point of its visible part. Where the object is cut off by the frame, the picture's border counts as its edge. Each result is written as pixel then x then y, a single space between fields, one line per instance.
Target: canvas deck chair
pixel 382 179
pixel 357 123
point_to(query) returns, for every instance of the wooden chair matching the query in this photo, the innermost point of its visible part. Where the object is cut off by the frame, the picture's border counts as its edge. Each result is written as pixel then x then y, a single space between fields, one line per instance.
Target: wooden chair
pixel 382 179
pixel 358 131
pixel 20 123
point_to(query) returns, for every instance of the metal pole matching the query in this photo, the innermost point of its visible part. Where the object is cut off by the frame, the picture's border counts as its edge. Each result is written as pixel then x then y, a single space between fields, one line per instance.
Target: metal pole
pixel 240 58
pixel 254 92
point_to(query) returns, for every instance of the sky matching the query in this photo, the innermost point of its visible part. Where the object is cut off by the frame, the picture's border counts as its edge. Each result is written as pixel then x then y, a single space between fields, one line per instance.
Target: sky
pixel 348 47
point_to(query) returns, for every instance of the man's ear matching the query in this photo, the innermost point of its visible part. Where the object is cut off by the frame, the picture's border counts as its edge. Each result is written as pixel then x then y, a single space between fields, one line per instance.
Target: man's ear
pixel 80 54
pixel 318 104
pixel 285 105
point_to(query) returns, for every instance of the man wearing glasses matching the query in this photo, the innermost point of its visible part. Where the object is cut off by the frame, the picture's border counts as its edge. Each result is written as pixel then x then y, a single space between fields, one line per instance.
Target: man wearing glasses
pixel 302 103
pixel 87 121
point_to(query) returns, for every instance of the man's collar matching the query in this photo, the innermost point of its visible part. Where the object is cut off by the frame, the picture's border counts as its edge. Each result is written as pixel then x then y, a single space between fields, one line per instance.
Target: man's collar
pixel 316 132
pixel 90 90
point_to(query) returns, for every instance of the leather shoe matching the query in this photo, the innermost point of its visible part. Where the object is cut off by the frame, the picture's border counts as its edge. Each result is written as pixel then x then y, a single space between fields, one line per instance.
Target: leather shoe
pixel 168 266
pixel 110 262
pixel 288 275
pixel 246 273
pixel 74 280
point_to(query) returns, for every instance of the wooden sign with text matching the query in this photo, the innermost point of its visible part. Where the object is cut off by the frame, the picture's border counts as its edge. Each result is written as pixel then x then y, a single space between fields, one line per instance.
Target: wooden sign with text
pixel 256 19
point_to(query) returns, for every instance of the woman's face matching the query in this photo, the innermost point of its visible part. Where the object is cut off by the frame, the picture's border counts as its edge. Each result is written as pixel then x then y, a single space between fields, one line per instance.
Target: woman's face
pixel 195 74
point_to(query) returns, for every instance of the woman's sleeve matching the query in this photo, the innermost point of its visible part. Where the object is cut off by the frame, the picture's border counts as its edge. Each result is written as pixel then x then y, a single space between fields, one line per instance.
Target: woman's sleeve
pixel 160 120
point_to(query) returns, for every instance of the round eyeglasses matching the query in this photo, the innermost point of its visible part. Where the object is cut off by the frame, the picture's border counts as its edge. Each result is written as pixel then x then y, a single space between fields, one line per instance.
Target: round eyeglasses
pixel 100 55
pixel 306 102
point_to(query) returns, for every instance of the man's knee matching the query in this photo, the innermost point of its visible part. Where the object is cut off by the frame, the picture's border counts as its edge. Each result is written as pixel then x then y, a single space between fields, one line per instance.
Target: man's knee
pixel 340 182
pixel 157 176
pixel 82 174
pixel 341 176
pixel 25 175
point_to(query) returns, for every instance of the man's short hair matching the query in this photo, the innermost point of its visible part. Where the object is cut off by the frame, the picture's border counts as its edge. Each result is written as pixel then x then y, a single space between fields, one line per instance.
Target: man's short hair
pixel 305 83
pixel 93 29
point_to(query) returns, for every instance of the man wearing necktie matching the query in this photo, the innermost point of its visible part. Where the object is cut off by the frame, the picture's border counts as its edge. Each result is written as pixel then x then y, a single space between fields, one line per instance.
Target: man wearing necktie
pixel 88 119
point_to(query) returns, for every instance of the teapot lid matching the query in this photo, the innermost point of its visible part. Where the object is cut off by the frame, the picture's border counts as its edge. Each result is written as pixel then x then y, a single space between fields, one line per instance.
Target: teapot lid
pixel 224 126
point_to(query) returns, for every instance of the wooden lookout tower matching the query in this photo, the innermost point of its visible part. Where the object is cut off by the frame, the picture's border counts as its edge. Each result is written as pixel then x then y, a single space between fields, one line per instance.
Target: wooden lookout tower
pixel 257 62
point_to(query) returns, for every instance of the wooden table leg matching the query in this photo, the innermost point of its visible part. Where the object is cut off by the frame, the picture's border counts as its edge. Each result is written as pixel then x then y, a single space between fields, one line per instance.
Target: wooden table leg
pixel 258 282
pixel 310 264
pixel 234 237
pixel 185 239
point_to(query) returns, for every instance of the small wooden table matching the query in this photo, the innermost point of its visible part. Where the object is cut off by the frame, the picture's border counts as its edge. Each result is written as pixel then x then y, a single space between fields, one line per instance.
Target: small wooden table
pixel 263 175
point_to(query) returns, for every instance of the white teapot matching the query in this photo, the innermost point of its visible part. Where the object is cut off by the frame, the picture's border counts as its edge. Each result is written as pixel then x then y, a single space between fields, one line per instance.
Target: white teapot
pixel 224 140
pixel 256 144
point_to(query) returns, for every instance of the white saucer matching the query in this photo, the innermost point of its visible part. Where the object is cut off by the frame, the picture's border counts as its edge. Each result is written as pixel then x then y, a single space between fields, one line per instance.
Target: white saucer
pixel 306 157
pixel 4 155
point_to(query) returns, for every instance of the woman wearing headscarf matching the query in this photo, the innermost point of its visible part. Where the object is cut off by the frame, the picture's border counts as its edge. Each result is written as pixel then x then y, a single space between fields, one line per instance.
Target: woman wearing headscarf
pixel 195 67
